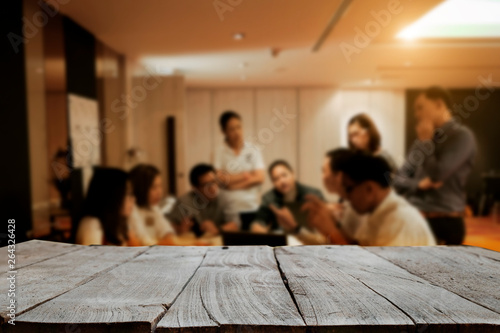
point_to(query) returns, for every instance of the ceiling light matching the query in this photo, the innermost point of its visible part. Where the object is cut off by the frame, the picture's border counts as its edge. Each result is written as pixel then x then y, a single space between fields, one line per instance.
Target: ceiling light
pixel 457 19
pixel 238 36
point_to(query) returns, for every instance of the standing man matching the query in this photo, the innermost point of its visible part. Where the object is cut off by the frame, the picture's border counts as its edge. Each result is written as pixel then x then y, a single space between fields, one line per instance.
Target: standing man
pixel 434 175
pixel 240 167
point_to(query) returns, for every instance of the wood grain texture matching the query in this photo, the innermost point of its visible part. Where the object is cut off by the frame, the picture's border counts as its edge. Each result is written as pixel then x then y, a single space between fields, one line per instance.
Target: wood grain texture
pixel 132 297
pixel 33 251
pixel 474 277
pixel 349 286
pixel 42 281
pixel 480 252
pixel 235 289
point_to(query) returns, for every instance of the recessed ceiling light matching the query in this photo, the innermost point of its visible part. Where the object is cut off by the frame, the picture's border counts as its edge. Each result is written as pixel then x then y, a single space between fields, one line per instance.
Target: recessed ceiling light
pixel 457 19
pixel 238 36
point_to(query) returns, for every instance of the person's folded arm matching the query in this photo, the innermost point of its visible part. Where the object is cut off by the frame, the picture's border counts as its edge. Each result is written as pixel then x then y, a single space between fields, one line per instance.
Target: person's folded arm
pixel 458 150
pixel 404 181
pixel 255 177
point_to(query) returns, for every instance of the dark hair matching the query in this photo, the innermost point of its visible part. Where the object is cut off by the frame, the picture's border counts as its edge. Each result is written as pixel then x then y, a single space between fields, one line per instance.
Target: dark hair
pixel 279 162
pixel 338 157
pixel 104 200
pixel 226 117
pixel 367 123
pixel 361 167
pixel 142 177
pixel 436 93
pixel 197 171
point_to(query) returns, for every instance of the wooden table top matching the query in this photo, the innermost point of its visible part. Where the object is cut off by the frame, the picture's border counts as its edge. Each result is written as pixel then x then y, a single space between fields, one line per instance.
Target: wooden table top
pixel 73 288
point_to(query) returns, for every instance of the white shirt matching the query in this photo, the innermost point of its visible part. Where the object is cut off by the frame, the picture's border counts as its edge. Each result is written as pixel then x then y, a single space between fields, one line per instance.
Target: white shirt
pixel 90 231
pixel 395 222
pixel 249 159
pixel 350 221
pixel 149 225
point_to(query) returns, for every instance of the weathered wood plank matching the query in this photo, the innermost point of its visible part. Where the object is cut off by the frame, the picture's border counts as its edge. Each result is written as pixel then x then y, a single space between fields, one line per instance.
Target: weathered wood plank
pixel 33 251
pixel 480 252
pixel 235 289
pixel 476 278
pixel 47 279
pixel 329 298
pixel 338 287
pixel 132 297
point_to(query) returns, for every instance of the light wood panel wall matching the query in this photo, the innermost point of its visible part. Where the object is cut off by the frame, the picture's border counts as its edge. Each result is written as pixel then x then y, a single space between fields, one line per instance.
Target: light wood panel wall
pixel 164 96
pixel 320 124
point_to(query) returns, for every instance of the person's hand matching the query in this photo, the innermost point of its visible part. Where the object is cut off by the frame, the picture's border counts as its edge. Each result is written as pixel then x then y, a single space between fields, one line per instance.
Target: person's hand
pixel 222 178
pixel 284 217
pixel 319 215
pixel 427 184
pixel 336 209
pixel 425 130
pixel 245 175
pixel 230 227
pixel 258 228
pixel 184 227
pixel 209 227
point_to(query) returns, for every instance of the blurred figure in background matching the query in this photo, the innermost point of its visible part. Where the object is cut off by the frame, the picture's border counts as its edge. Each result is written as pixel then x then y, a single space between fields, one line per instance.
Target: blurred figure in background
pixel 202 209
pixel 363 135
pixel 346 217
pixel 240 168
pixel 147 223
pixel 108 204
pixel 280 208
pixel 434 176
pixel 391 220
pixel 62 180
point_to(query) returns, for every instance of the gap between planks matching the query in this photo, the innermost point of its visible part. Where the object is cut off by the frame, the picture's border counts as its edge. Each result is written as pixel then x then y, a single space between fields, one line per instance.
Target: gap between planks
pixel 157 320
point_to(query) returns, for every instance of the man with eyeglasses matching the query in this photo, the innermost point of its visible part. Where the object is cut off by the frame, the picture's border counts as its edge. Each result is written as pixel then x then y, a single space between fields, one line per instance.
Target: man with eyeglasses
pixel 202 209
pixel 390 219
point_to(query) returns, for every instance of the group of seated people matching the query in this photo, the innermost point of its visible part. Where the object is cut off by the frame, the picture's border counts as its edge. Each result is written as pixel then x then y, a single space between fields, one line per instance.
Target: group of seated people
pixel 123 208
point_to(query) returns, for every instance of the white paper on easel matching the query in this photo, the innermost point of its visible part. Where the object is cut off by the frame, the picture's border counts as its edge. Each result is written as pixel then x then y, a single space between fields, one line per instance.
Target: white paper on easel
pixel 85 135
pixel 84 131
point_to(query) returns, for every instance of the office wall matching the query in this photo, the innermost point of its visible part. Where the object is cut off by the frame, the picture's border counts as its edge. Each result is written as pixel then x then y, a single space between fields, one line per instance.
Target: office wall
pixel 37 126
pixel 110 68
pixel 152 100
pixel 314 120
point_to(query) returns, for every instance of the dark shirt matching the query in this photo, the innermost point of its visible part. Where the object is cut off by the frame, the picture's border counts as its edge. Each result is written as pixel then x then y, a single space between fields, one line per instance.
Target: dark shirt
pixel 266 216
pixel 194 206
pixel 447 158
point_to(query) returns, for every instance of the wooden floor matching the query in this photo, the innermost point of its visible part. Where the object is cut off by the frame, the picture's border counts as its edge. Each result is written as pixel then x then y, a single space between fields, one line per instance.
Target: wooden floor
pixel 72 288
pixel 483 232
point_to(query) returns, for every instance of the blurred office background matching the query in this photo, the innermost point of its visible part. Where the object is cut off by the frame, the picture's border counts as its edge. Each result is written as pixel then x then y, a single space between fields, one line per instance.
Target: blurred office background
pixel 159 73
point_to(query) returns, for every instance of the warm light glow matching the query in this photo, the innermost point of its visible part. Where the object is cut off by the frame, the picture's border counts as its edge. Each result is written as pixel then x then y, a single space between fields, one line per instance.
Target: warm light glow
pixel 457 19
